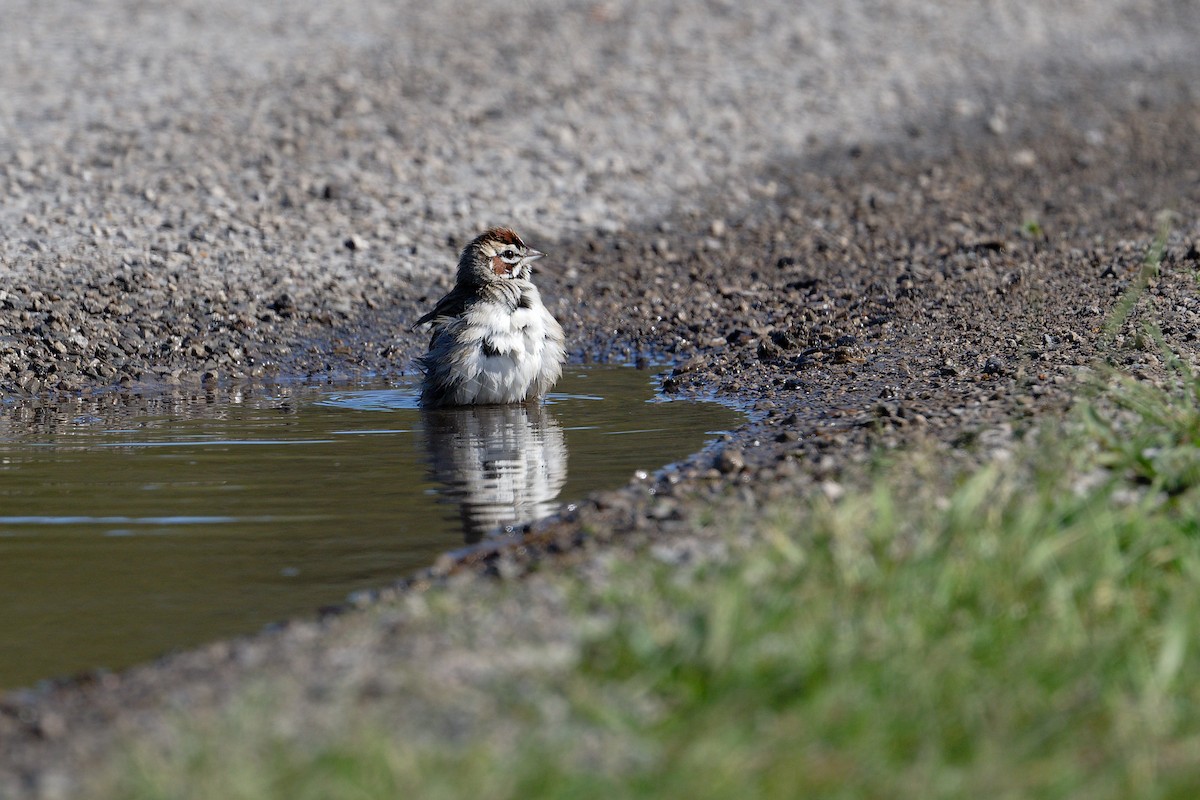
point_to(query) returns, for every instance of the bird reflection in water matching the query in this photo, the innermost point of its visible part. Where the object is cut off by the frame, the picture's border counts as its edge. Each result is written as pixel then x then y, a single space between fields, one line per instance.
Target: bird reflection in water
pixel 502 465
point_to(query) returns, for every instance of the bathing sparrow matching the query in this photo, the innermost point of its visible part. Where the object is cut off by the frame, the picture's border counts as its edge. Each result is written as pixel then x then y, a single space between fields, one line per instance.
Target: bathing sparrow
pixel 493 341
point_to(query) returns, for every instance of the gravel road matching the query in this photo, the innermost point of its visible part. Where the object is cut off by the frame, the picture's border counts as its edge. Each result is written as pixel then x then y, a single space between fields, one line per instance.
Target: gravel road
pixel 871 221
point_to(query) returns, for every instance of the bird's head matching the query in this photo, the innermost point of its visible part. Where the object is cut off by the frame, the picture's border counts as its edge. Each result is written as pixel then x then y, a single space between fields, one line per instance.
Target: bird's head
pixel 497 254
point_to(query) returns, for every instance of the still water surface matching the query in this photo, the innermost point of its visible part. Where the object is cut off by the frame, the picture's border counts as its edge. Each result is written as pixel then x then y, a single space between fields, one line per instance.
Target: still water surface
pixel 126 534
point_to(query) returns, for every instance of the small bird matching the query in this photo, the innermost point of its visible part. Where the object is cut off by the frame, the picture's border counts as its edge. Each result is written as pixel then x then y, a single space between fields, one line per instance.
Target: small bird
pixel 493 341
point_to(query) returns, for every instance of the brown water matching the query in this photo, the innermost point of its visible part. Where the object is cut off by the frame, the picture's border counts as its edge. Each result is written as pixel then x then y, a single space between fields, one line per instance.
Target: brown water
pixel 126 533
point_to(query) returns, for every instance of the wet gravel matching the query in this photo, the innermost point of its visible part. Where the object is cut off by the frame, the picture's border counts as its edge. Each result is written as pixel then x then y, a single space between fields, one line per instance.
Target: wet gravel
pixel 871 229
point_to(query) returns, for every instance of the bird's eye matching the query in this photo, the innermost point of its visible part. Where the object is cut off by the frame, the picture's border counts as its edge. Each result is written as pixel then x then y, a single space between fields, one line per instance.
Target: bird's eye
pixel 508 255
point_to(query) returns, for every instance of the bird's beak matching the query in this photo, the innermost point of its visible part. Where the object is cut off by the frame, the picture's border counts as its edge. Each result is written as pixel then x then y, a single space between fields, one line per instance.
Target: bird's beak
pixel 533 255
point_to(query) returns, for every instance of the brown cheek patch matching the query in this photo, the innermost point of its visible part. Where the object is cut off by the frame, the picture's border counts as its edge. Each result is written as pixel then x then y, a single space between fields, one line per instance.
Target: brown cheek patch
pixel 498 265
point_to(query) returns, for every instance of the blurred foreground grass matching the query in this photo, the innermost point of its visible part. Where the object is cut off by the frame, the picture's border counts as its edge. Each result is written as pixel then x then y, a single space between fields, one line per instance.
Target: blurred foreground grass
pixel 1030 627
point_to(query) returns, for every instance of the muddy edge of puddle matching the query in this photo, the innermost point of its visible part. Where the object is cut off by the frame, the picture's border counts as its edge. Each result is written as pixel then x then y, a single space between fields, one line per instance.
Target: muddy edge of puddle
pixel 941 287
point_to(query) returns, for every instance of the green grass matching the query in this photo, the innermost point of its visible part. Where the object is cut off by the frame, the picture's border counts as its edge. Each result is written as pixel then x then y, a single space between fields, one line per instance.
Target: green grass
pixel 1033 229
pixel 1140 282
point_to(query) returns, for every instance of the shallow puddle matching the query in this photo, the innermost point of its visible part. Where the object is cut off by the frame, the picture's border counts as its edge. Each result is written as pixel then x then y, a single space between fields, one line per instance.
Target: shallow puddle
pixel 126 533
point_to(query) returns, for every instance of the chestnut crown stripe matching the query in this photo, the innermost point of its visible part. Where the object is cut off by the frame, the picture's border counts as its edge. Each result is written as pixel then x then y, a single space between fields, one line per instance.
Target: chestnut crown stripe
pixel 503 235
